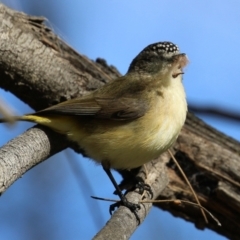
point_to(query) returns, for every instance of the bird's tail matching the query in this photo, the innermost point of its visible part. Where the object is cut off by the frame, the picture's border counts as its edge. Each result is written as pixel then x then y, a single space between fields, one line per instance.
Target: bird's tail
pixel 26 118
pixel 61 124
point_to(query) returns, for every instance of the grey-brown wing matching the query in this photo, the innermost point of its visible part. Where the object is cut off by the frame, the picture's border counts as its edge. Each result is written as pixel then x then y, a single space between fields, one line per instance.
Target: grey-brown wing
pixel 103 108
pixel 77 106
pixel 121 108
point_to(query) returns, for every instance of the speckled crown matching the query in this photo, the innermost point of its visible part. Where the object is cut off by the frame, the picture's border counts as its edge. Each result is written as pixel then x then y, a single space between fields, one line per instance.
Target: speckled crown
pixel 153 57
pixel 162 47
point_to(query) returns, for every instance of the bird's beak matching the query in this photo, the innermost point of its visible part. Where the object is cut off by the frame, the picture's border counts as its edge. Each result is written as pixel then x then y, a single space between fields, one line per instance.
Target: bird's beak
pixel 176 73
pixel 180 62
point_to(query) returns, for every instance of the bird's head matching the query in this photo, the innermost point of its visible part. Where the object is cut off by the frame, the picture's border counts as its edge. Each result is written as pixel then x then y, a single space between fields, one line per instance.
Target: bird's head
pixel 159 58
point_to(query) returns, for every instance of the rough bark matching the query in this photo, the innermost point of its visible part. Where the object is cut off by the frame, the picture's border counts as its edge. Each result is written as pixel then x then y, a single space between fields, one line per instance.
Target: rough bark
pixel 41 70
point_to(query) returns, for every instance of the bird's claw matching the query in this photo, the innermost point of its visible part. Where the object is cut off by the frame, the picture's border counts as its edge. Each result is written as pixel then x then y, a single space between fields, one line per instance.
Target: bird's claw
pixel 133 207
pixel 144 187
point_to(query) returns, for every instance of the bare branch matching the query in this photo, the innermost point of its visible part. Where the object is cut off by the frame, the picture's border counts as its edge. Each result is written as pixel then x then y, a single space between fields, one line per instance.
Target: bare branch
pixel 123 222
pixel 215 111
pixel 26 151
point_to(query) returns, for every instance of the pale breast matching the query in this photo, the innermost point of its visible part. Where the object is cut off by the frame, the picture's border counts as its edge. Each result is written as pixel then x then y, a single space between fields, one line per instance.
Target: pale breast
pixel 132 144
pixel 170 114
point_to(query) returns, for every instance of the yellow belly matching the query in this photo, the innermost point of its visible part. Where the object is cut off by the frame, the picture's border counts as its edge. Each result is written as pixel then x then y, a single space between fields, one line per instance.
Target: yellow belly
pixel 126 145
pixel 129 145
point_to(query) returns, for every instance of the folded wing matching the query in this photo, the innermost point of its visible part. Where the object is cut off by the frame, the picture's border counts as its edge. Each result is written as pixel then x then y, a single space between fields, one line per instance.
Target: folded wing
pixel 125 108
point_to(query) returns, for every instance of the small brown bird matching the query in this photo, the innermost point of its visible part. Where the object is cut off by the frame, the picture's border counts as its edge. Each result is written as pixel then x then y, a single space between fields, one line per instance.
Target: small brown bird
pixel 131 120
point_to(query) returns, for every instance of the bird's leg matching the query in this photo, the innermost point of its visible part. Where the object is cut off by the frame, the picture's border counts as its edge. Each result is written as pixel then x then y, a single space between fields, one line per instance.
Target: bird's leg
pixel 132 206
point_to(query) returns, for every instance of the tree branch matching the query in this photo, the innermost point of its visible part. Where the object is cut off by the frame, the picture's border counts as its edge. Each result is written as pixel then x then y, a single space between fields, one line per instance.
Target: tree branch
pixel 26 151
pixel 215 111
pixel 123 222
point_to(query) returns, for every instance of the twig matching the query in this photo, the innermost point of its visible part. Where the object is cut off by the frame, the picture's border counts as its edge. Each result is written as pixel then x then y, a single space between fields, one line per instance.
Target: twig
pixel 177 201
pixel 190 186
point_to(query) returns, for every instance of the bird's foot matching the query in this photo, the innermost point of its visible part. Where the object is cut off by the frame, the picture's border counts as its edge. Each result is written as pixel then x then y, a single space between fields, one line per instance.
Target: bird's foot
pixel 142 186
pixel 133 207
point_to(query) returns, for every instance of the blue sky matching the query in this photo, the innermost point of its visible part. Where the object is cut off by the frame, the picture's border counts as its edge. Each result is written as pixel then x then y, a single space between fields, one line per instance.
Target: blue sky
pixel 50 196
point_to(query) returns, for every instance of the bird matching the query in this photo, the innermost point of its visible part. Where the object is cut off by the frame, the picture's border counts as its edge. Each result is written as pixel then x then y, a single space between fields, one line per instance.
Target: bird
pixel 129 121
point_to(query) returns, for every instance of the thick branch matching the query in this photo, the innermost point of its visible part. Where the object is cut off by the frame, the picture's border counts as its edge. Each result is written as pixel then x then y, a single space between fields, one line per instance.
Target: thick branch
pixel 41 70
pixel 211 161
pixel 26 151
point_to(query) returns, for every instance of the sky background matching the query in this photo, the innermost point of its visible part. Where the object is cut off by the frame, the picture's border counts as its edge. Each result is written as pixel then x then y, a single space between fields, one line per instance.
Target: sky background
pixel 52 201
